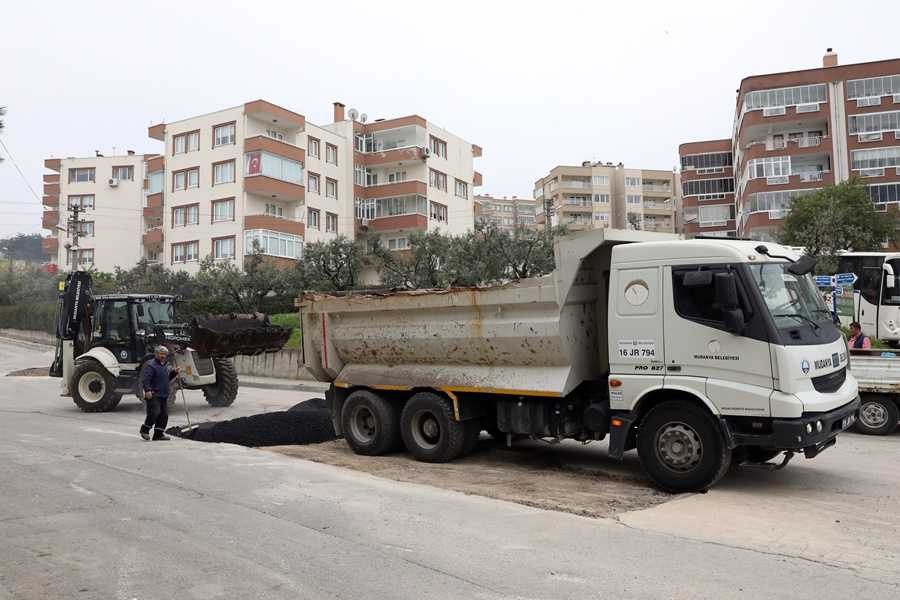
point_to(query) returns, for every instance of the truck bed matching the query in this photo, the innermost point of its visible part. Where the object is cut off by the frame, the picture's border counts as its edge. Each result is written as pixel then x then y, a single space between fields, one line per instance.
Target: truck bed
pixel 876 371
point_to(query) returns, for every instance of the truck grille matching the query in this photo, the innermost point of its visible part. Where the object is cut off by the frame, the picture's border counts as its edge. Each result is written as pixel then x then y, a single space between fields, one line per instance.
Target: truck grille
pixel 830 383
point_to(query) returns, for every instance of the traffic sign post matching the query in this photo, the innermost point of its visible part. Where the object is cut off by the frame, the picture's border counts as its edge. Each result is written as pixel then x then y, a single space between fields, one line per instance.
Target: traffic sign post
pixel 845 278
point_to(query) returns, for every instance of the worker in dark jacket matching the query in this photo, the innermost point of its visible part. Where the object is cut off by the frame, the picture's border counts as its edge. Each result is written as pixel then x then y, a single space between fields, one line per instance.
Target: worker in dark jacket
pixel 155 380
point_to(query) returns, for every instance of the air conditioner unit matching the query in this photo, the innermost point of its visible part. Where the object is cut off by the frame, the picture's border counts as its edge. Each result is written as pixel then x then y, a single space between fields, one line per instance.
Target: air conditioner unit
pixel 426 152
pixel 113 182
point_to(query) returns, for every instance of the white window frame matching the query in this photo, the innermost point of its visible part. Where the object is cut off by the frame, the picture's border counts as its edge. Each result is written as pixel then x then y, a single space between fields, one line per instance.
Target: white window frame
pixel 229 202
pixel 314 219
pixel 224 139
pixel 216 248
pixel 331 222
pixel 314 188
pixel 331 188
pixel 220 171
pixel 331 154
pixel 314 147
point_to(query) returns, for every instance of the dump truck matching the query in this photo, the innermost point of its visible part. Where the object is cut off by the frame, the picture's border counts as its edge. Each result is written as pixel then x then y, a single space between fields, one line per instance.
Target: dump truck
pixel 696 353
pixel 878 375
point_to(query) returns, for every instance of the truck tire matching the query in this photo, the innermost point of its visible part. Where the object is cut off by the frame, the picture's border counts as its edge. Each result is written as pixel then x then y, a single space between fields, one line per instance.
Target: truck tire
pixel 681 448
pixel 429 430
pixel 371 424
pixel 224 390
pixel 93 387
pixel 878 415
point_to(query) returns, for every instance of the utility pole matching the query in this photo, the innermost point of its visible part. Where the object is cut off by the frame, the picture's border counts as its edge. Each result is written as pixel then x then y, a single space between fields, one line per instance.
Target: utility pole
pixel 548 210
pixel 73 226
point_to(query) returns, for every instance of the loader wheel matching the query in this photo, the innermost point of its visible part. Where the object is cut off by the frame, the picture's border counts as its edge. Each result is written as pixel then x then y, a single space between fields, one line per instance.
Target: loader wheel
pixel 371 424
pixel 877 416
pixel 429 430
pixel 681 448
pixel 93 388
pixel 224 390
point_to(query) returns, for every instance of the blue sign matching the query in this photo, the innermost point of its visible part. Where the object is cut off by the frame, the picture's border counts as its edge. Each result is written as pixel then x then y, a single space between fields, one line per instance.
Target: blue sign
pixel 824 281
pixel 845 278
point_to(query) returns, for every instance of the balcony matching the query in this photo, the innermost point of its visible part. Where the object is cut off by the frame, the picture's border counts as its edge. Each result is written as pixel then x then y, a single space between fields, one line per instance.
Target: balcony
pixel 394 223
pixel 390 190
pixel 52 201
pixel 53 164
pixel 273 114
pixel 476 151
pixel 50 246
pixel 153 213
pixel 157 163
pixel 155 200
pixel 157 132
pixel 796 181
pixel 788 114
pixel 273 223
pixel 50 219
pixel 394 155
pixel 805 146
pixel 273 175
pixel 658 209
pixel 153 236
pixel 264 143
pixel 574 184
pixel 477 179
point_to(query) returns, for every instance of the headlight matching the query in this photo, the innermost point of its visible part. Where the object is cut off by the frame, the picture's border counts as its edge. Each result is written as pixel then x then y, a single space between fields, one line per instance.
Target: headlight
pixel 809 428
pixel 818 426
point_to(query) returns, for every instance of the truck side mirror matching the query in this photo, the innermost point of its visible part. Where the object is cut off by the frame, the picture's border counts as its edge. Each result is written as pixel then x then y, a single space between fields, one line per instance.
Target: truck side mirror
pixel 888 275
pixel 734 320
pixel 727 298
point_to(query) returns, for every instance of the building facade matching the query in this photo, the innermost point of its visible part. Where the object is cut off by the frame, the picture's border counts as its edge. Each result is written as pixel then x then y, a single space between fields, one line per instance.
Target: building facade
pixel 261 176
pixel 109 193
pixel 506 213
pixel 707 189
pixel 598 195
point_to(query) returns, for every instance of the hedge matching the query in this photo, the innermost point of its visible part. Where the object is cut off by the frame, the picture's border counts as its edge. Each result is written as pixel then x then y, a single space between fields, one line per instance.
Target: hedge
pixel 39 316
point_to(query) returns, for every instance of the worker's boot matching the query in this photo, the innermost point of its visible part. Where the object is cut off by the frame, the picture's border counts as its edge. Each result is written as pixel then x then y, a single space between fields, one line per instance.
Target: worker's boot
pixel 145 433
pixel 160 436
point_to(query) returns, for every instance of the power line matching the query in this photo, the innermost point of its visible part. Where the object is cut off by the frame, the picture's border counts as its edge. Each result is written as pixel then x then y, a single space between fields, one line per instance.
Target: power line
pixel 21 174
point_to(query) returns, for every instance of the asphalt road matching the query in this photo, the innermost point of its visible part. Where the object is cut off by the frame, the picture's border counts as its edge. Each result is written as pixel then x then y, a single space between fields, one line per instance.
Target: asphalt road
pixel 88 510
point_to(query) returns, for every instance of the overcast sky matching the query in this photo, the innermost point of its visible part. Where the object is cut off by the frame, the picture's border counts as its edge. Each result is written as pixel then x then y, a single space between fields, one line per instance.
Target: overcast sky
pixel 558 83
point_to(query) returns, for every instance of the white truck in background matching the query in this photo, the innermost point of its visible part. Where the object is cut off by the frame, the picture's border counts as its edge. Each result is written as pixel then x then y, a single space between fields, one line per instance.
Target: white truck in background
pixel 878 375
pixel 697 353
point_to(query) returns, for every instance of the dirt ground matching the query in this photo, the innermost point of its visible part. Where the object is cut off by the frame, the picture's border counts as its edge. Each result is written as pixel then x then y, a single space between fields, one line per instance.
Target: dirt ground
pixel 31 372
pixel 565 477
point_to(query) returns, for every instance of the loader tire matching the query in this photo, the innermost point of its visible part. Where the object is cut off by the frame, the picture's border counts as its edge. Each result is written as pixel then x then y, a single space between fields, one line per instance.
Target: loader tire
pixel 371 423
pixel 93 387
pixel 225 389
pixel 681 448
pixel 430 432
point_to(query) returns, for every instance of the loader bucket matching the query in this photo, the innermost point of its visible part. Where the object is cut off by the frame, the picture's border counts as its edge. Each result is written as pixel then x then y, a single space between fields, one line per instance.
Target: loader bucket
pixel 224 336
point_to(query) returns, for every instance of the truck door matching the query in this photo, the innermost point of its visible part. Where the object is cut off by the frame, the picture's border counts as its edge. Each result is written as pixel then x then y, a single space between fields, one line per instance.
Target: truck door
pixel 733 371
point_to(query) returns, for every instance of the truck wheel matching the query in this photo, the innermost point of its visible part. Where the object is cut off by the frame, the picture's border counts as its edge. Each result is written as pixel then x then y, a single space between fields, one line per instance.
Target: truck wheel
pixel 93 388
pixel 877 416
pixel 224 390
pixel 429 430
pixel 371 424
pixel 681 448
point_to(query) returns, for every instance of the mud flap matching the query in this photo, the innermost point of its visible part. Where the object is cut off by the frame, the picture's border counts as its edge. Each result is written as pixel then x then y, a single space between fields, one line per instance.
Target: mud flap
pixel 621 435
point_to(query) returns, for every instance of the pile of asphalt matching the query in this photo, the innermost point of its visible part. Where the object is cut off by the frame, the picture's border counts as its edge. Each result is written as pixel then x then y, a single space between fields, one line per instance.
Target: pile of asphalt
pixel 306 423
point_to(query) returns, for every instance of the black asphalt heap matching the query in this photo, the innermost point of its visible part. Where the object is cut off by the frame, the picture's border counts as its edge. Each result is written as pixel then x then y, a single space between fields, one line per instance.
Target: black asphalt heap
pixel 305 423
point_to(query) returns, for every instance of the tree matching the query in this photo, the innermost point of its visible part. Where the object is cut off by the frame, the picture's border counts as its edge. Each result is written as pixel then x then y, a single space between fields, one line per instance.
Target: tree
pixel 419 267
pixel 22 246
pixel 634 221
pixel 330 266
pixel 837 217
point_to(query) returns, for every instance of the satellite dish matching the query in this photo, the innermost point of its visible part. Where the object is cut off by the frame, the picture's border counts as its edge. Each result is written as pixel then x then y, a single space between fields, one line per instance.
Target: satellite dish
pixel 353 114
pixel 363 117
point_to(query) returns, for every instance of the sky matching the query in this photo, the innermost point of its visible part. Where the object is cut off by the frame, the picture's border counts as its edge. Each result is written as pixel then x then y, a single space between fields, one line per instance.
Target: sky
pixel 534 84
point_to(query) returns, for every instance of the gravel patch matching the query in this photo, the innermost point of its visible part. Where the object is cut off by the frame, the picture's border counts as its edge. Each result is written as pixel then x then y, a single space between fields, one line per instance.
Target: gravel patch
pixel 31 372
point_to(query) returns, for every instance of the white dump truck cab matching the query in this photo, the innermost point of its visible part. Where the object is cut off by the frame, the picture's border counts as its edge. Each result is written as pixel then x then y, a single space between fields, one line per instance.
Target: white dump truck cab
pixel 735 326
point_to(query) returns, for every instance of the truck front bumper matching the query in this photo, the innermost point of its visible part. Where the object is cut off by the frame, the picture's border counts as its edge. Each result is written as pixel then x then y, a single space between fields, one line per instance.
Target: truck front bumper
pixel 810 433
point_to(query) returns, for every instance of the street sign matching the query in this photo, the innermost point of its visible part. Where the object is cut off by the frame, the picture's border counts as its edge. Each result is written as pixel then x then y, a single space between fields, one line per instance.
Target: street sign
pixel 824 281
pixel 845 278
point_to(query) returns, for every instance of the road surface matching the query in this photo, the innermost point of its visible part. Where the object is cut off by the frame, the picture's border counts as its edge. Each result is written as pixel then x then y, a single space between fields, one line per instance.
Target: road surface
pixel 88 510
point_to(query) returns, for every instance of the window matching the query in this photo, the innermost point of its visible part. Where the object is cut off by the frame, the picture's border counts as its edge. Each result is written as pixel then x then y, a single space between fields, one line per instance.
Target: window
pixel 437 180
pixel 874 122
pixel 391 207
pixel 85 256
pixel 275 134
pixel 710 160
pixel 878 158
pixel 462 189
pixel 185 215
pixel 371 178
pixel 330 188
pixel 273 243
pixel 438 146
pixel 570 201
pixel 82 175
pixel 601 198
pixel 223 248
pixel 123 173
pixel 223 135
pixel 708 187
pixel 790 96
pixel 86 228
pixel 330 222
pixel 157 182
pixel 188 178
pixel 223 172
pixel 314 147
pixel 365 208
pixel 633 181
pixel 274 210
pixel 223 210
pixel 312 184
pixel 398 243
pixel 312 218
pixel 774 201
pixel 716 214
pixel 396 176
pixel 186 142
pixel 633 199
pixel 698 303
pixel 84 202
pixel 270 165
pixel 185 252
pixel 601 217
pixel 873 86
pixel 331 153
pixel 884 193
pixel 439 212
pixel 774 166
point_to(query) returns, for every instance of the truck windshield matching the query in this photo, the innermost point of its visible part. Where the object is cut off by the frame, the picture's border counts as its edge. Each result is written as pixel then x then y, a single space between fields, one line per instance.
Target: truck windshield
pixel 791 299
pixel 156 313
pixel 891 295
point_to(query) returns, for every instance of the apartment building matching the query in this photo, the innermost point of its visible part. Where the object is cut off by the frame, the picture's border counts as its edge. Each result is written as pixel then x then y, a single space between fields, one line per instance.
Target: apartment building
pixel 793 133
pixel 707 189
pixel 507 213
pixel 598 195
pixel 260 175
pixel 109 192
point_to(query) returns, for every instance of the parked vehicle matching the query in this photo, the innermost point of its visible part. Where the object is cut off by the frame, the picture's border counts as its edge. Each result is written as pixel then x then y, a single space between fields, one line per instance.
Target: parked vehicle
pixel 878 375
pixel 695 352
pixel 876 293
pixel 103 343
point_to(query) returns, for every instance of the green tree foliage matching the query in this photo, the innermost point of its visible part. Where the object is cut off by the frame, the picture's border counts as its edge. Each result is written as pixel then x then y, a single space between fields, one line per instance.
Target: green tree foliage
pixel 837 217
pixel 22 246
pixel 330 266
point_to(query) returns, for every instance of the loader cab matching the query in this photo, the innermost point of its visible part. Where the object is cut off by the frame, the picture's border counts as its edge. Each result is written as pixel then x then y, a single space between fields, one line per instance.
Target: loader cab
pixel 125 324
